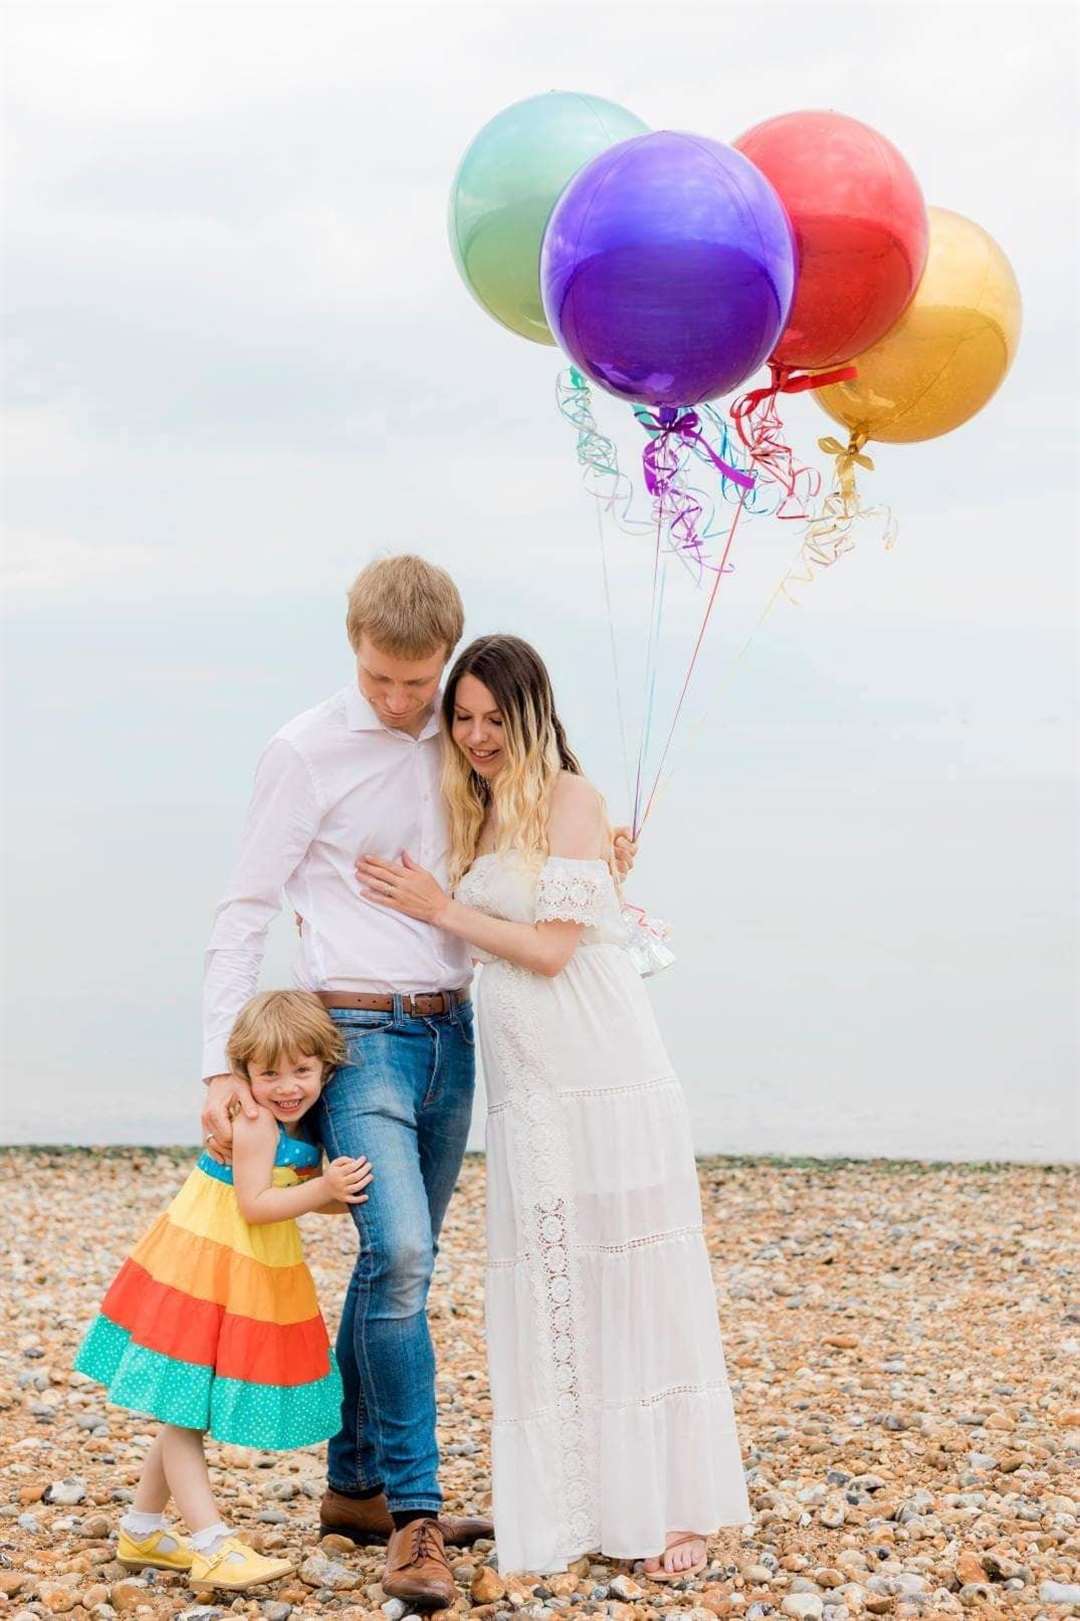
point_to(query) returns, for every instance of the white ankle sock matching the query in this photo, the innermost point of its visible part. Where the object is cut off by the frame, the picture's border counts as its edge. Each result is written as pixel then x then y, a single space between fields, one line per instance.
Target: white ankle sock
pixel 209 1540
pixel 141 1525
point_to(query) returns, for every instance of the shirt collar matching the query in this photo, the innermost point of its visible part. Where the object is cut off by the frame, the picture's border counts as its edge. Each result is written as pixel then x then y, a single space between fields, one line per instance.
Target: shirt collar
pixel 362 718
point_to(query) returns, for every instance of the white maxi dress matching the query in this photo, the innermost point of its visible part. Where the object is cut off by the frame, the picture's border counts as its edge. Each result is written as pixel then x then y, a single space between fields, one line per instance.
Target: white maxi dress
pixel 613 1420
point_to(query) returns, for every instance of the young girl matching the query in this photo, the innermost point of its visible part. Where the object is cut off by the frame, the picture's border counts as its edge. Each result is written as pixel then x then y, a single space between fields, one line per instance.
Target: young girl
pixel 211 1324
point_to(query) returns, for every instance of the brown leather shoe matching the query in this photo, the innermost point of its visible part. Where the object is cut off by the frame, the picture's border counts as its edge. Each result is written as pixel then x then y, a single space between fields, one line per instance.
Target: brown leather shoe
pixel 367 1519
pixel 416 1567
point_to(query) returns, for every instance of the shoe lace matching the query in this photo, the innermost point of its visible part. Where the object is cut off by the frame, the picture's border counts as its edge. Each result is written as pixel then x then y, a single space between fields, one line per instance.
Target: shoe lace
pixel 427 1542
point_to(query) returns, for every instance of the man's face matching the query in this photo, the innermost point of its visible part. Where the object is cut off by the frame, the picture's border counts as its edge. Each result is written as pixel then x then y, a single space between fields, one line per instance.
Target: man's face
pixel 400 691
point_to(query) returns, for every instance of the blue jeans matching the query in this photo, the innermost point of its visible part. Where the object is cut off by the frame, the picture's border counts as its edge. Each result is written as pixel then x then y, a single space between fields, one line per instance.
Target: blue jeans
pixel 405 1100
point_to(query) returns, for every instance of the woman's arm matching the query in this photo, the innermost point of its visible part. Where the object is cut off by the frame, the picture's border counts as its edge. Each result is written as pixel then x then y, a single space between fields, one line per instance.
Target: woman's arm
pixel 254 1147
pixel 577 830
pixel 542 948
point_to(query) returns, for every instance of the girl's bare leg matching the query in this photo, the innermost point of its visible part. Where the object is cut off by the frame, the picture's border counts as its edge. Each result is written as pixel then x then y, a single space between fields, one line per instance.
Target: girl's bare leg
pixel 152 1492
pixel 184 1463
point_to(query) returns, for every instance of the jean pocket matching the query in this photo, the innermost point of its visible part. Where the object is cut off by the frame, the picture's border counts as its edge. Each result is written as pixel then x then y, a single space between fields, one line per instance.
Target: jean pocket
pixel 357 1030
pixel 466 1025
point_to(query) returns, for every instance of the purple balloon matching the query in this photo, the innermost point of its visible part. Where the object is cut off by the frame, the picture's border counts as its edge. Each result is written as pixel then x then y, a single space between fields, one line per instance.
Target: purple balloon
pixel 668 269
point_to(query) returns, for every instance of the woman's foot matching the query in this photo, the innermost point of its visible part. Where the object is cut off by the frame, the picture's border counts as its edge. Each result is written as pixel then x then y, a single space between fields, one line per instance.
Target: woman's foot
pixel 685 1555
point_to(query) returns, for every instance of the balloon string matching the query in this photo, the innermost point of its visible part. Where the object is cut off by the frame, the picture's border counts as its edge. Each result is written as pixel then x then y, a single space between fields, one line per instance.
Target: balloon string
pixel 639 825
pixel 655 609
pixel 758 425
pixel 826 538
pixel 830 534
pixel 597 454
pixel 624 749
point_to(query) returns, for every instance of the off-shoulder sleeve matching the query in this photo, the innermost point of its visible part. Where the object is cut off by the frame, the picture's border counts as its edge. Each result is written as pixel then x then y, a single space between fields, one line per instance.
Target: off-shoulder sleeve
pixel 572 891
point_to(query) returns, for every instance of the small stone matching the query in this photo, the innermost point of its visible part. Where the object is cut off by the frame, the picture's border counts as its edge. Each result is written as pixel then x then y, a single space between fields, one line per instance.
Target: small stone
pixel 57 1597
pixel 329 1544
pixel 969 1568
pixel 808 1606
pixel 126 1597
pixel 393 1609
pixel 487 1586
pixel 976 1595
pixel 757 1574
pixel 841 1342
pixel 274 1610
pixel 833 1513
pixel 1059 1592
pixel 318 1571
pixel 278 1516
pixel 95 1526
pixel 68 1492
pixel 626 1589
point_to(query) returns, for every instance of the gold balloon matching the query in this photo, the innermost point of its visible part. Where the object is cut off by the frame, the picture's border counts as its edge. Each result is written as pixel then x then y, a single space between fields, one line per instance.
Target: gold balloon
pixel 949 351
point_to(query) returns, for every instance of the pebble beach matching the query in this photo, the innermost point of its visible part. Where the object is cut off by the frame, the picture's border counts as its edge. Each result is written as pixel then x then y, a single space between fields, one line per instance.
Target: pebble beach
pixel 903 1342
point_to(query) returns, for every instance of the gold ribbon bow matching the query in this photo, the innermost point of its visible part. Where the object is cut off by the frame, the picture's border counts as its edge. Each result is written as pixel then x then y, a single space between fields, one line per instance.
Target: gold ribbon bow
pixel 848 457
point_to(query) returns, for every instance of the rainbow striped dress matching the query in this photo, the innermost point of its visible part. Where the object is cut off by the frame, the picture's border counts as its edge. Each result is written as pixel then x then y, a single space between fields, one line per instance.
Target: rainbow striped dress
pixel 212 1324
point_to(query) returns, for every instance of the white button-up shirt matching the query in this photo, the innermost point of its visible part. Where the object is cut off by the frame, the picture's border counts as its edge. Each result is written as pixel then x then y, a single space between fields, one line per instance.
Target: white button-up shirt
pixel 333 784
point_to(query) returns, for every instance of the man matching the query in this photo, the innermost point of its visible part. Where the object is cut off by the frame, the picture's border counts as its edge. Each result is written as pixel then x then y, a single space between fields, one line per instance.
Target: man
pixel 360 774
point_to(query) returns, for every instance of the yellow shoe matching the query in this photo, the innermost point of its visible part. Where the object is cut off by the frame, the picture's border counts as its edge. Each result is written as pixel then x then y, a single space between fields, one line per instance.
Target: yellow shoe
pixel 142 1553
pixel 235 1567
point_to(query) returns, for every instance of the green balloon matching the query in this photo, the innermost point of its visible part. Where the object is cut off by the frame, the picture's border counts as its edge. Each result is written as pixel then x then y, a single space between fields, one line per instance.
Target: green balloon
pixel 506 186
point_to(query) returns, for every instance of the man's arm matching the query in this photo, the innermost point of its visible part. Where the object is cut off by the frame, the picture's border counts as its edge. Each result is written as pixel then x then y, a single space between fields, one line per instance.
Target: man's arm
pixel 282 820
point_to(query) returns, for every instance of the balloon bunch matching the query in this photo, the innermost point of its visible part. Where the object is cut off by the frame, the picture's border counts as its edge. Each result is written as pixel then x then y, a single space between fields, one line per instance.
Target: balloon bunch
pixel 671 267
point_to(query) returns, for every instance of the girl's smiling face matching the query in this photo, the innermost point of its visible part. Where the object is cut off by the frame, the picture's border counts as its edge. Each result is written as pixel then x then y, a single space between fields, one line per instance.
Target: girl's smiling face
pixel 289 1087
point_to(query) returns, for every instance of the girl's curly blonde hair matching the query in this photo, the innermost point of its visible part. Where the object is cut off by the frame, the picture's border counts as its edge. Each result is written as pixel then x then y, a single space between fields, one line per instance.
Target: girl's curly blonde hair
pixel 283 1024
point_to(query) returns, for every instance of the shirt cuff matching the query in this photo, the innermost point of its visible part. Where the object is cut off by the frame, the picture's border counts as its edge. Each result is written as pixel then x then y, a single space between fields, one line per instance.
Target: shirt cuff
pixel 214 1061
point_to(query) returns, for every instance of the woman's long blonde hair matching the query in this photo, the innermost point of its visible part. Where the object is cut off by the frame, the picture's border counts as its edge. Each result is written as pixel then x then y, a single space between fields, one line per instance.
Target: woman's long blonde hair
pixel 536 752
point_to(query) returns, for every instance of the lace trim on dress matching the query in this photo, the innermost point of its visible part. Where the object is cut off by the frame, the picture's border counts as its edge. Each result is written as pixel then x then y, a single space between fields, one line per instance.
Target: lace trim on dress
pixel 645 1241
pixel 540 1162
pixel 715 1387
pixel 634 1090
pixel 637 1089
pixel 573 892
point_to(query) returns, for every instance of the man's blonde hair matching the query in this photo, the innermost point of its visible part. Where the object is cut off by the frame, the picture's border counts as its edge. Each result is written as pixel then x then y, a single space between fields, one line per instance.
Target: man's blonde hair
pixel 406 606
pixel 283 1024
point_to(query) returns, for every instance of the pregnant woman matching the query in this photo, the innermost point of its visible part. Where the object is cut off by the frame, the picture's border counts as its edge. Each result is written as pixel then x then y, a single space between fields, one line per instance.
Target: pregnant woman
pixel 613 1422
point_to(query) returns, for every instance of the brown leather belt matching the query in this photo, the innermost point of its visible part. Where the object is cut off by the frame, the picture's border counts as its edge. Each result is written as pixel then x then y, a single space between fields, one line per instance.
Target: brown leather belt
pixel 427 1005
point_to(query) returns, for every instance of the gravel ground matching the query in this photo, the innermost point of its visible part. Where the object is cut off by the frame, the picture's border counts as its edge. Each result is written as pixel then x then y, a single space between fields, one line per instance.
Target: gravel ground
pixel 903 1342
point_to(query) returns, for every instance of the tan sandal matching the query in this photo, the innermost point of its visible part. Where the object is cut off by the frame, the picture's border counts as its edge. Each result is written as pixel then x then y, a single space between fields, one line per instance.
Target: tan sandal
pixel 680 1541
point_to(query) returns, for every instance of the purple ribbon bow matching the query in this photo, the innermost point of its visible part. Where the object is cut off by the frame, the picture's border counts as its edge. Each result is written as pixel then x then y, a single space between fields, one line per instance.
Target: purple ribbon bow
pixel 687 427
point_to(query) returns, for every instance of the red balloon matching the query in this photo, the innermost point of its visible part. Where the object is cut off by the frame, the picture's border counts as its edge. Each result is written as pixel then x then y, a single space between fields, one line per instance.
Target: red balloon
pixel 860 230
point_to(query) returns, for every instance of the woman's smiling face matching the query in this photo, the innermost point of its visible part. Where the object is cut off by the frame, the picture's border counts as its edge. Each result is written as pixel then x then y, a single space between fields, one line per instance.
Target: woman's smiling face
pixel 478 727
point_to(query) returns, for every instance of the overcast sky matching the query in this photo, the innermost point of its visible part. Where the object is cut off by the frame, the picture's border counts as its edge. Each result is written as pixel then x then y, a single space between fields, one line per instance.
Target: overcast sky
pixel 241 363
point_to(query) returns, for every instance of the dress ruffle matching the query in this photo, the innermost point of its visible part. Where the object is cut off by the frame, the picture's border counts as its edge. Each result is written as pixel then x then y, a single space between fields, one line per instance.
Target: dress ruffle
pixel 212 1322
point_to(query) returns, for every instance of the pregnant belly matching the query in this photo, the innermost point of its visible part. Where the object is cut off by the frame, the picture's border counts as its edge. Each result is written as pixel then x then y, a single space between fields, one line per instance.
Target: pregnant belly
pixel 592 1025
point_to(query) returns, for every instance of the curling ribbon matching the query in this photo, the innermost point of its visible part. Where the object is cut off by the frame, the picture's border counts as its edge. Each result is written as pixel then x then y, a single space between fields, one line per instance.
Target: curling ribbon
pixel 829 535
pixel 758 425
pixel 596 452
pixel 661 463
